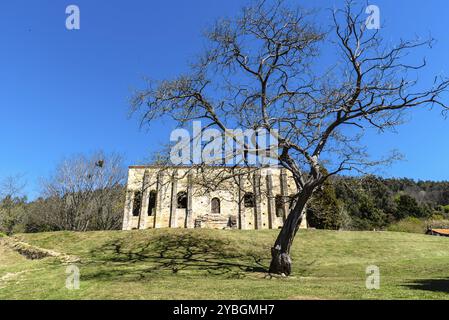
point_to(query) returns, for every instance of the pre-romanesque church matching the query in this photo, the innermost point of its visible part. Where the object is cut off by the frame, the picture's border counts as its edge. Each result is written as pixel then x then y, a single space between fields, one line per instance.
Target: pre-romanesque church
pixel 207 197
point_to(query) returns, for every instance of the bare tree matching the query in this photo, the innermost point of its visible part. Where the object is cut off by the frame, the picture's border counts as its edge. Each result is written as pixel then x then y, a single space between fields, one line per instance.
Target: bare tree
pixel 12 186
pixel 86 192
pixel 12 203
pixel 265 69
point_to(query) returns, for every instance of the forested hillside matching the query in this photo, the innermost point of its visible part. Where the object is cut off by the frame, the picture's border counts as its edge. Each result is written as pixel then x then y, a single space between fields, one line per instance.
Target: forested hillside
pixel 372 202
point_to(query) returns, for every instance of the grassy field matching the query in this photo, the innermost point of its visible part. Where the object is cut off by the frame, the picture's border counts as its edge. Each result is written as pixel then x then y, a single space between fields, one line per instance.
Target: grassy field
pixel 211 264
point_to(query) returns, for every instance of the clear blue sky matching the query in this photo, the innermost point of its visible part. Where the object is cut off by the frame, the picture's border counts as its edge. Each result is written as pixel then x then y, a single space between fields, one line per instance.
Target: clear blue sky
pixel 65 92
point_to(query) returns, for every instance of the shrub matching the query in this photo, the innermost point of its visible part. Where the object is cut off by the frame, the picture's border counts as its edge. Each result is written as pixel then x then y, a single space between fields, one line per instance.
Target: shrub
pixel 436 217
pixel 445 208
pixel 410 225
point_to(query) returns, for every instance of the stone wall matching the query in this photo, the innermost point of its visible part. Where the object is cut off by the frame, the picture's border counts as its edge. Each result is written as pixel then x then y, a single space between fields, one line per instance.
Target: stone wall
pixel 183 197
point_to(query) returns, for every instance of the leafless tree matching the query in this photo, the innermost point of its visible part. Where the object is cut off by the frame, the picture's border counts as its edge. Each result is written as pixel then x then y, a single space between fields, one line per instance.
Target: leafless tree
pixel 86 192
pixel 12 186
pixel 12 203
pixel 266 69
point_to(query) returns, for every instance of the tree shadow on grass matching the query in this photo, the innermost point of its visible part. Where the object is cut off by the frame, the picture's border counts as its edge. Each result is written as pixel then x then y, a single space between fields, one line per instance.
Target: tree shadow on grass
pixel 435 285
pixel 174 254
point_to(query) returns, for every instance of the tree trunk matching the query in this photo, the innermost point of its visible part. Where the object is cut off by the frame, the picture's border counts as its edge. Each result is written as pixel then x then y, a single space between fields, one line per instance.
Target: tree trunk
pixel 280 252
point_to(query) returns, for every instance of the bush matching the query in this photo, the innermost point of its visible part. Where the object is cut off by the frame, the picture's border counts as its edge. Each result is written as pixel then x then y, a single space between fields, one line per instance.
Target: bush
pixel 445 209
pixel 2 235
pixel 436 217
pixel 410 225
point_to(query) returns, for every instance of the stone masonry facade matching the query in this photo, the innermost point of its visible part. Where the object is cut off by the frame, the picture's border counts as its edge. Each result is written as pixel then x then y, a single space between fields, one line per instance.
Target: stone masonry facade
pixel 181 197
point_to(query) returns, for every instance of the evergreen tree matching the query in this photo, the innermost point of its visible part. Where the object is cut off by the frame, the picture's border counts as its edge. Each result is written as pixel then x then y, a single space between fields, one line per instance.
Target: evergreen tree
pixel 324 210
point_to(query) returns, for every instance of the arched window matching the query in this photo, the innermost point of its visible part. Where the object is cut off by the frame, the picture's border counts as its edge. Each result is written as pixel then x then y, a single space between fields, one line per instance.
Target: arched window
pixel 215 205
pixel 182 200
pixel 137 203
pixel 280 208
pixel 152 203
pixel 249 200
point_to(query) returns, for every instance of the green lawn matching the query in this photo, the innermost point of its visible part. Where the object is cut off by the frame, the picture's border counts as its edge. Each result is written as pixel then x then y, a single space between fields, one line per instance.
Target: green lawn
pixel 212 264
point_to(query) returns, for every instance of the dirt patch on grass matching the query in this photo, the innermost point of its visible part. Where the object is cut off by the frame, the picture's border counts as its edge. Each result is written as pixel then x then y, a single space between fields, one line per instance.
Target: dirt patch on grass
pixel 10 276
pixel 14 276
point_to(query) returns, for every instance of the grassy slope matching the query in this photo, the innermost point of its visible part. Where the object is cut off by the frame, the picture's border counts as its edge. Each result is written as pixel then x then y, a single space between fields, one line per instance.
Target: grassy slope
pixel 211 264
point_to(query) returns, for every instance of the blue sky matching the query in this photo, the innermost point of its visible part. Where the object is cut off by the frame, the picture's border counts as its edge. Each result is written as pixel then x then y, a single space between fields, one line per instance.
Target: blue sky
pixel 66 92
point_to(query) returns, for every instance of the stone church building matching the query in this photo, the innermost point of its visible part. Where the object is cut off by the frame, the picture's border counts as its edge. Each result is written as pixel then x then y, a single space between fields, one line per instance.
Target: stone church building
pixel 207 197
